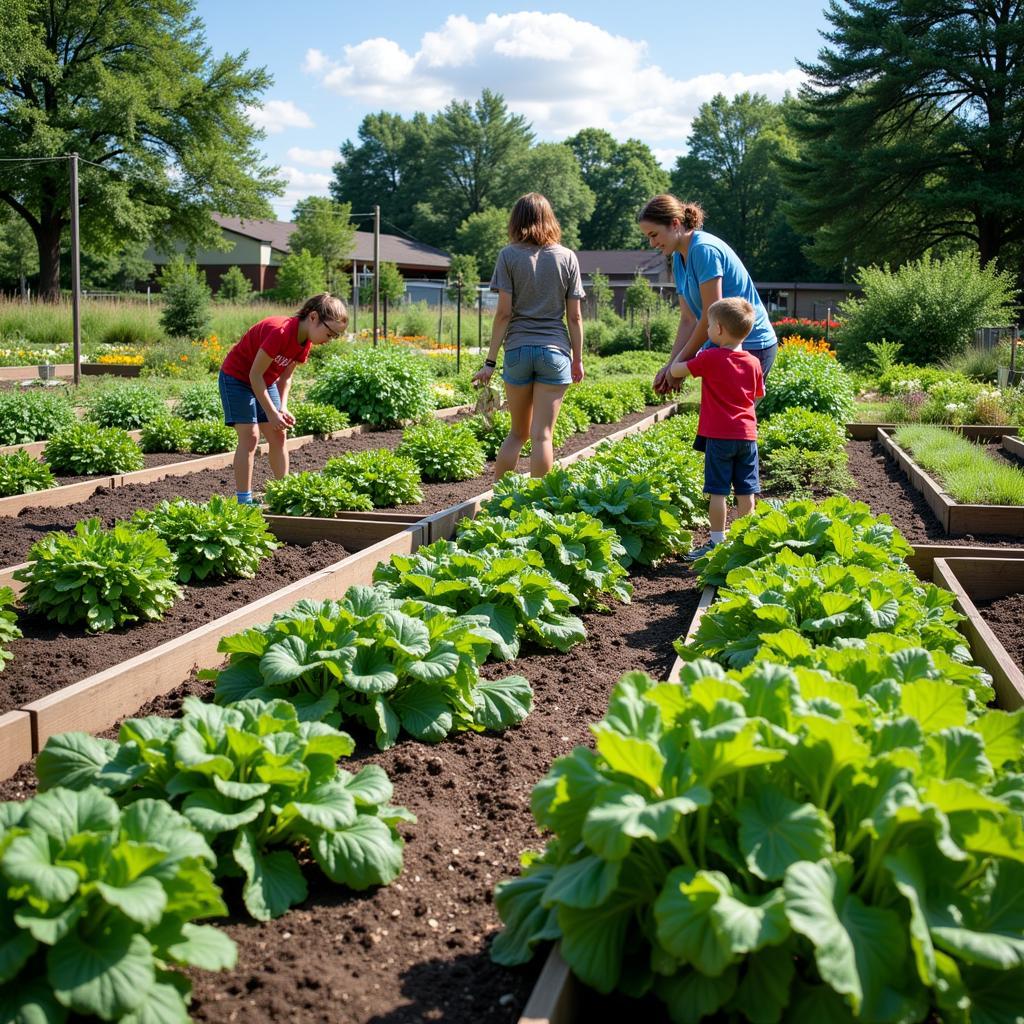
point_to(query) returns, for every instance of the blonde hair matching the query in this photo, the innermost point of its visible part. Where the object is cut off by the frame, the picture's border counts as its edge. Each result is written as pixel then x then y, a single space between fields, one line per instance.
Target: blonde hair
pixel 666 208
pixel 326 306
pixel 736 317
pixel 533 221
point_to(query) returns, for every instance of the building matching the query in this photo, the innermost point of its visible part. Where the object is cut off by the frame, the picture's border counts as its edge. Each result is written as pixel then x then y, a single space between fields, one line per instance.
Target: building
pixel 258 248
pixel 620 266
pixel 811 299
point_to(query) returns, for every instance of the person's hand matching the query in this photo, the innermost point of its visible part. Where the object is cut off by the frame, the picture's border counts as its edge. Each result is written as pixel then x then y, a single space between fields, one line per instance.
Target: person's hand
pixel 577 371
pixel 277 420
pixel 661 379
pixel 287 416
pixel 482 376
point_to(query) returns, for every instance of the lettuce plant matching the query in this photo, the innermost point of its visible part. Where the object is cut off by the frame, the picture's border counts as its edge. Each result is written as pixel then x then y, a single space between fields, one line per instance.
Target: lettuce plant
pixel 443 451
pixel 212 539
pixel 769 846
pixel 86 449
pixel 313 494
pixel 510 588
pixel 104 578
pixel 165 433
pixel 97 904
pixel 492 435
pixel 259 785
pixel 20 473
pixel 207 437
pixel 128 406
pixel 9 630
pixel 200 401
pixel 385 478
pixel 388 664
pixel 578 550
pixel 32 415
pixel 606 401
pixel 316 418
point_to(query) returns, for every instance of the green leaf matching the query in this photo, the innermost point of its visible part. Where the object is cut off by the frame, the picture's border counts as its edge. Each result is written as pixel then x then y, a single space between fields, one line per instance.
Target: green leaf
pixel 30 1002
pixel 692 996
pixel 273 881
pixel 776 831
pixel 371 672
pixel 424 712
pixel 163 1004
pixel 686 927
pixel 73 760
pixel 502 702
pixel 202 945
pixel 935 704
pixel 361 855
pixel 586 882
pixel 142 900
pixel 526 920
pixel 618 816
pixel 764 992
pixel 594 939
pixel 330 805
pixel 371 787
pixel 1003 733
pixel 212 813
pixel 632 756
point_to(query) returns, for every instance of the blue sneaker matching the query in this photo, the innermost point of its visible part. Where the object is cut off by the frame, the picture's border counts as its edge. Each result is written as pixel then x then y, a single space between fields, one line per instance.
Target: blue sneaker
pixel 700 552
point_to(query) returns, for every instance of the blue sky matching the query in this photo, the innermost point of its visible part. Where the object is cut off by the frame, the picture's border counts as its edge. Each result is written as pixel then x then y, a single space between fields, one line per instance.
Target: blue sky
pixel 638 70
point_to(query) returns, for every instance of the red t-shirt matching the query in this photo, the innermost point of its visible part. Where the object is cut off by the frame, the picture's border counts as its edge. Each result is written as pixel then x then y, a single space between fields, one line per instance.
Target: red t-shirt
pixel 278 336
pixel 732 380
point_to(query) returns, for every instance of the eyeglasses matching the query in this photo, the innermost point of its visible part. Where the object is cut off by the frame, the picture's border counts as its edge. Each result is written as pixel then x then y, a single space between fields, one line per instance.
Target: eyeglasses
pixel 331 333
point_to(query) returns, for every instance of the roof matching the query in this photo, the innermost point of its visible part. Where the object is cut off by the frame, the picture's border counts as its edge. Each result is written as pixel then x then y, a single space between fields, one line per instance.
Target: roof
pixel 622 262
pixel 811 286
pixel 393 248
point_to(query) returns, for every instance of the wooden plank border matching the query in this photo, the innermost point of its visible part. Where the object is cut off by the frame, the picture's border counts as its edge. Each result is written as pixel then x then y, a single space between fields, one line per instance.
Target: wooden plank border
pixel 869 431
pixel 15 741
pixel 924 556
pixel 707 599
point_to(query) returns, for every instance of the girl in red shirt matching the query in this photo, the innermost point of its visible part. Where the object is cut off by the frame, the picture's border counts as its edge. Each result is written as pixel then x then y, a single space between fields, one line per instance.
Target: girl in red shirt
pixel 256 375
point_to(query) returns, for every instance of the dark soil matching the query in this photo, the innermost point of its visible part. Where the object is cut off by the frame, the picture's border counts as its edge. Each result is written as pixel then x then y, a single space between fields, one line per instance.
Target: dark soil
pixel 50 656
pixel 111 504
pixel 151 461
pixel 418 950
pixel 1005 617
pixel 885 488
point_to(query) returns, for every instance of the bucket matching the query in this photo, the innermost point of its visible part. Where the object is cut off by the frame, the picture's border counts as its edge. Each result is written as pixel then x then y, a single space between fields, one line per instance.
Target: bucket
pixel 47 371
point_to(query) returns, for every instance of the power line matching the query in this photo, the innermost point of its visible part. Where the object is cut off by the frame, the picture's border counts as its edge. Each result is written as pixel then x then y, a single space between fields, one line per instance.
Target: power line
pixel 30 159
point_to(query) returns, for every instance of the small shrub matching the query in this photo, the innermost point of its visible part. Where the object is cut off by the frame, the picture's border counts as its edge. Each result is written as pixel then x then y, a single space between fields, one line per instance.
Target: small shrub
pixel 128 406
pixel 313 494
pixel 382 387
pixel 798 471
pixel 606 400
pixel 443 451
pixel 9 630
pixel 207 437
pixel 165 433
pixel 186 298
pixel 32 416
pixel 85 449
pixel 385 478
pixel 801 428
pixel 104 578
pixel 315 418
pixel 200 401
pixel 20 473
pixel 816 382
pixel 213 539
pixel 234 286
pixel 416 320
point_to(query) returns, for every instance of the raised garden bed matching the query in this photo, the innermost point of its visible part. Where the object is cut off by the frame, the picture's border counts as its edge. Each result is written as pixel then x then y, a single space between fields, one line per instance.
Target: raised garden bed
pixel 975 431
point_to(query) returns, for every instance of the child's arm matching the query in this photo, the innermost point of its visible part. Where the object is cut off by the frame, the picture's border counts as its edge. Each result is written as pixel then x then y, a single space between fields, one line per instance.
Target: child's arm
pixel 679 368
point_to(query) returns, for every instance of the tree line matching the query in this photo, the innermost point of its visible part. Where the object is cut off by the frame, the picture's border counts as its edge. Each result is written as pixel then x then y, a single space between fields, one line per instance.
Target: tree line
pixel 907 138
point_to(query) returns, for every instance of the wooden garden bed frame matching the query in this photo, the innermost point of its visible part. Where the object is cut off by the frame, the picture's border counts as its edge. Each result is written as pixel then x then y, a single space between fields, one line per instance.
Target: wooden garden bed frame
pixel 955 518
pixel 975 431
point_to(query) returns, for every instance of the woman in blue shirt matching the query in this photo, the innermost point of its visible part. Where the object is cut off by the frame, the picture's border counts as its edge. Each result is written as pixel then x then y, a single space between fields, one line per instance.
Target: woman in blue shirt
pixel 705 270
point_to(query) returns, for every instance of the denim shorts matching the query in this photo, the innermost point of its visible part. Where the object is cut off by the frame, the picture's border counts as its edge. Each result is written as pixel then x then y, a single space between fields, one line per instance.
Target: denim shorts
pixel 730 466
pixel 239 401
pixel 529 363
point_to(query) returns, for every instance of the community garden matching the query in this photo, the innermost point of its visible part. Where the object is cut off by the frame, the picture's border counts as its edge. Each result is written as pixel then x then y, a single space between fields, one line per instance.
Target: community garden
pixel 402 744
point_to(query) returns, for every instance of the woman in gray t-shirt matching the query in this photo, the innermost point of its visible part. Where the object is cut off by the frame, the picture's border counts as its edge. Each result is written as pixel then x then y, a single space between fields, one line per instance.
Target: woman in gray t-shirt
pixel 539 291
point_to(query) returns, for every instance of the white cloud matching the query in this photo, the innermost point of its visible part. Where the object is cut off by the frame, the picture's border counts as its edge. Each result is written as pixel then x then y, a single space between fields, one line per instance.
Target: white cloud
pixel 563 74
pixel 313 157
pixel 275 116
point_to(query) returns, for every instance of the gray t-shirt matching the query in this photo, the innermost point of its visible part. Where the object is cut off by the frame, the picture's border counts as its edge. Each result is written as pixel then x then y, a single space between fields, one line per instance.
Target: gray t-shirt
pixel 540 278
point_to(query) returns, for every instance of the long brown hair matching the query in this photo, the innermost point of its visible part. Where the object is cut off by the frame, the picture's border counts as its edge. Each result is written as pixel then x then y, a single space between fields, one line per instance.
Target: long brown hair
pixel 533 221
pixel 666 208
pixel 326 306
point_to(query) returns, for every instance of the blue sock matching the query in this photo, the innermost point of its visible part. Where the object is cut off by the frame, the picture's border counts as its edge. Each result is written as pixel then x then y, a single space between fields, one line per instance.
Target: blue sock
pixel 244 497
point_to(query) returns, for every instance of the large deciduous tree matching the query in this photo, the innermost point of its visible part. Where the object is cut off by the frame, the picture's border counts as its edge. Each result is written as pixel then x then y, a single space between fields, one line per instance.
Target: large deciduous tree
pixel 912 130
pixel 130 85
pixel 323 228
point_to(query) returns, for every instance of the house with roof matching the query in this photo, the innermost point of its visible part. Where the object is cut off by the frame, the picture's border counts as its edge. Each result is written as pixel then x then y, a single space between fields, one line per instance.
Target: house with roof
pixel 620 266
pixel 258 247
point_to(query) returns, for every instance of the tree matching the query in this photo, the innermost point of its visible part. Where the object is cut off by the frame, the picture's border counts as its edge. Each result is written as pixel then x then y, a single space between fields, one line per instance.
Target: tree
pixel 186 296
pixel 465 266
pixel 601 293
pixel 301 275
pixel 130 85
pixel 911 130
pixel 234 286
pixel 115 269
pixel 392 286
pixel 483 235
pixel 322 227
pixel 622 177
pixel 19 258
pixel 552 169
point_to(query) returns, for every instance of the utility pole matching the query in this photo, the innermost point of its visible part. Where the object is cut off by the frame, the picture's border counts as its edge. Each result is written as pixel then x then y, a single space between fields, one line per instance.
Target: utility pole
pixel 76 281
pixel 376 270
pixel 458 325
pixel 355 298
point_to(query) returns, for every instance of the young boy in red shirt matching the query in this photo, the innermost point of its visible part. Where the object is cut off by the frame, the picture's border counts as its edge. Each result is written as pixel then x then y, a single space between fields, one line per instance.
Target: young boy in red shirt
pixel 727 428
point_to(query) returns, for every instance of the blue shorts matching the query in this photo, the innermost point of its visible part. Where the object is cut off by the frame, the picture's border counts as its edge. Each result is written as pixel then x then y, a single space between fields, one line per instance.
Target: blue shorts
pixel 540 363
pixel 239 401
pixel 730 466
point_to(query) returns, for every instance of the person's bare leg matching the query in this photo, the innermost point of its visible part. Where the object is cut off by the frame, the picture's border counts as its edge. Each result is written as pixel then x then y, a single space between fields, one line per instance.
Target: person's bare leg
pixel 248 439
pixel 716 512
pixel 547 400
pixel 745 504
pixel 520 407
pixel 278 454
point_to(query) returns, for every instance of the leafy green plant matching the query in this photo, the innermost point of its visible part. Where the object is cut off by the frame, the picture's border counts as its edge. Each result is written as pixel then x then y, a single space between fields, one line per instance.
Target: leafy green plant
pixel 20 473
pixel 97 904
pixel 802 450
pixel 313 494
pixel 165 433
pixel 812 380
pixel 577 549
pixel 9 630
pixel 258 783
pixel 512 589
pixel 381 386
pixel 606 400
pixel 128 406
pixel 796 472
pixel 86 449
pixel 385 478
pixel 314 418
pixel 211 540
pixel 104 578
pixel 32 416
pixel 186 295
pixel 770 845
pixel 443 451
pixel 797 427
pixel 200 401
pixel 836 530
pixel 387 663
pixel 207 437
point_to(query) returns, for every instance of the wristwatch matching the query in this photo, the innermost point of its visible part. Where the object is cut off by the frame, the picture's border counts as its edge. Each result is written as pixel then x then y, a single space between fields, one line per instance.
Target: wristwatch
pixel 491 363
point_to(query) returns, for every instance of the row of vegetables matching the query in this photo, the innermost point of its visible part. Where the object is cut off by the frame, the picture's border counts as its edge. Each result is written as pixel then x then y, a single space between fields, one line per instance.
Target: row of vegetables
pixel 822 821
pixel 106 872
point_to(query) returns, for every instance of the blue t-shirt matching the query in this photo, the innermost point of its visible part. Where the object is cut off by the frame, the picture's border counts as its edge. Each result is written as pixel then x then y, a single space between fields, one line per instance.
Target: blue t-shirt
pixel 709 257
